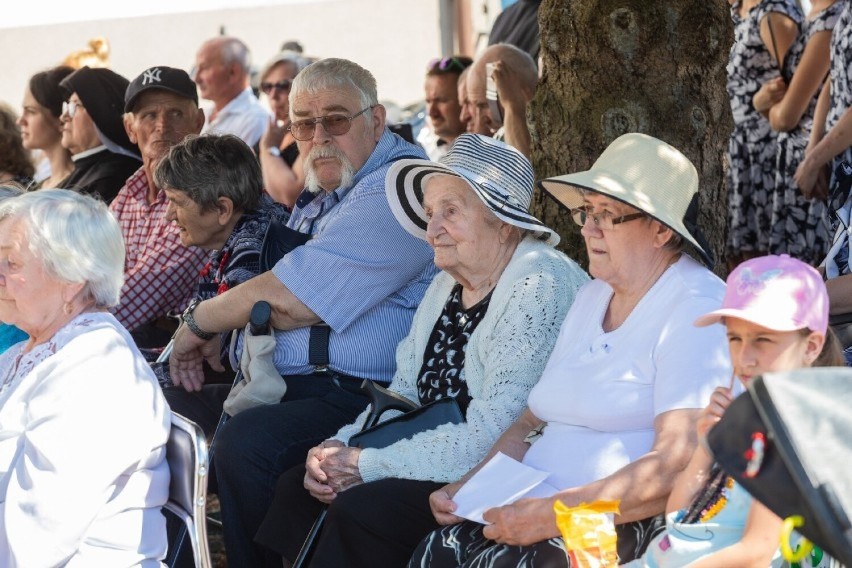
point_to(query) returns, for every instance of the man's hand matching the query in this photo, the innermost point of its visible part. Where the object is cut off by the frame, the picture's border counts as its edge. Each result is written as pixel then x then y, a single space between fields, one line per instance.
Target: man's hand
pixel 442 504
pixel 509 87
pixel 188 353
pixel 522 523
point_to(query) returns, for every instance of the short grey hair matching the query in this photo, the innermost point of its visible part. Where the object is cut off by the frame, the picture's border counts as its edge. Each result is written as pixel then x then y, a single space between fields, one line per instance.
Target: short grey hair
pixel 333 73
pixel 234 50
pixel 76 238
pixel 211 166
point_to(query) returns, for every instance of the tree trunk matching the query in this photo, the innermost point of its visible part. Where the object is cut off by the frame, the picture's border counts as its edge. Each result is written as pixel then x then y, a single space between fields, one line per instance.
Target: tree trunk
pixel 617 66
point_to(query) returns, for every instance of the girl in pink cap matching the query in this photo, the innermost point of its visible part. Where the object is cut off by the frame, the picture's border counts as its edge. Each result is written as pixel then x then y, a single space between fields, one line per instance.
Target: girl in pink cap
pixel 776 314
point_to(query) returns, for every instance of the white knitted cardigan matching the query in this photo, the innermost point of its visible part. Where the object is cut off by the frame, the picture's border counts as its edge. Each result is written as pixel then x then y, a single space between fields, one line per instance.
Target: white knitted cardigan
pixel 505 357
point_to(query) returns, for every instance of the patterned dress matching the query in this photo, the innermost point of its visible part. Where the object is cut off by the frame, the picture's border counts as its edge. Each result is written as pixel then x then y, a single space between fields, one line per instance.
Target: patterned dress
pixel 751 149
pixel 800 226
pixel 841 75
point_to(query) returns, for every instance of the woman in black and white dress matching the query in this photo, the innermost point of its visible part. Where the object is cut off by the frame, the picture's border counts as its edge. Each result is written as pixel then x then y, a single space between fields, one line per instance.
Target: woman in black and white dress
pixel 799 226
pixel 751 148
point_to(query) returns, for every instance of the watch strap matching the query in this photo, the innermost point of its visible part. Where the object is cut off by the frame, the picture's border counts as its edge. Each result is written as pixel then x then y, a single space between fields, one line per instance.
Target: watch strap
pixel 193 326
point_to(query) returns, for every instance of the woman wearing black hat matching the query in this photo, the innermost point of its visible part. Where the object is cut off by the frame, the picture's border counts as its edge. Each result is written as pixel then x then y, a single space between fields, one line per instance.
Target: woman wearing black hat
pixel 93 130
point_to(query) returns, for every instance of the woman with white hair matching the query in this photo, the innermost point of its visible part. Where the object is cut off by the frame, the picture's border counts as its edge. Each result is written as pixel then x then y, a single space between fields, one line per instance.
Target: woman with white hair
pixel 283 173
pixel 83 424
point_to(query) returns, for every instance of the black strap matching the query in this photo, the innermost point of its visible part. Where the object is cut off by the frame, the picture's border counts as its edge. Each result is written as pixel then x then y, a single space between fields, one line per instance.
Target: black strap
pixel 772 36
pixel 318 347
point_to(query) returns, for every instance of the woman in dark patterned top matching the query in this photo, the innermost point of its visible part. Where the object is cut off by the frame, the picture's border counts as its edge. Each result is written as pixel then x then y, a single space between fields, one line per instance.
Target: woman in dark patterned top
pixel 751 148
pixel 799 226
pixel 215 195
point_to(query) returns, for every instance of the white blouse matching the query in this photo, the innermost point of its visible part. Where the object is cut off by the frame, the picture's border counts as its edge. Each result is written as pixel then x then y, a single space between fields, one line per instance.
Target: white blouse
pixel 83 427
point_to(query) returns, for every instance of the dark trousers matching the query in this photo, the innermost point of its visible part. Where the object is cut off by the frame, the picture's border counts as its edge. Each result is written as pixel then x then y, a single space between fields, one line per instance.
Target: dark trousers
pixel 255 447
pixel 374 524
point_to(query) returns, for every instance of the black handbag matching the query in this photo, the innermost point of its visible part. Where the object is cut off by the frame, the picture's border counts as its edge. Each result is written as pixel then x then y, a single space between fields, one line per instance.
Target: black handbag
pixel 421 419
pixel 788 442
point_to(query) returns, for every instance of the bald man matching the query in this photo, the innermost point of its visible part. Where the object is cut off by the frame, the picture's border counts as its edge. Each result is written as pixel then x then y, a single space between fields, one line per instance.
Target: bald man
pixel 222 68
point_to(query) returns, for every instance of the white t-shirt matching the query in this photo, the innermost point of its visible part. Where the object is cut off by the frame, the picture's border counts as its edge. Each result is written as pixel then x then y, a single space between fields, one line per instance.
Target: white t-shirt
pixel 244 117
pixel 600 392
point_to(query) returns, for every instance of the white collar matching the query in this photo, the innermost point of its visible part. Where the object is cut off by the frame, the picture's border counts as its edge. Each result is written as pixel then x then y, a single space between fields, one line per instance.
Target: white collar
pixel 89 152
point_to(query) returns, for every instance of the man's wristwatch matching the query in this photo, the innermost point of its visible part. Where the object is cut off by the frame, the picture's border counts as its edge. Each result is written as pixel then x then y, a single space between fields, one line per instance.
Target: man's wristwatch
pixel 189 320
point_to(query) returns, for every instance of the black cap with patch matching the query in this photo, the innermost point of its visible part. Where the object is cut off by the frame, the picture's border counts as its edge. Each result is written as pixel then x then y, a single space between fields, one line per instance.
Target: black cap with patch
pixel 176 81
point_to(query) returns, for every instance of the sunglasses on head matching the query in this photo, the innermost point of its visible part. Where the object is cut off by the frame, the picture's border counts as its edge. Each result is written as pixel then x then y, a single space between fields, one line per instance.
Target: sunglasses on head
pixel 447 64
pixel 279 86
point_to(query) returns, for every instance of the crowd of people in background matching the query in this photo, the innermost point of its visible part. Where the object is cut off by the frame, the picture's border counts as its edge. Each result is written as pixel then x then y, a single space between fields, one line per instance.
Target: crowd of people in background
pixel 415 264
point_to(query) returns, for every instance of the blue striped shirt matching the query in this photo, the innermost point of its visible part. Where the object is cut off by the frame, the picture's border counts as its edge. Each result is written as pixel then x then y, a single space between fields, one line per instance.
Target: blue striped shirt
pixel 362 273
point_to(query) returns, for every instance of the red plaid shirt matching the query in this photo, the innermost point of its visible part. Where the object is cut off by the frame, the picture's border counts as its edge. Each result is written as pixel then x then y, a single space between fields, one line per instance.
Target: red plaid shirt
pixel 160 274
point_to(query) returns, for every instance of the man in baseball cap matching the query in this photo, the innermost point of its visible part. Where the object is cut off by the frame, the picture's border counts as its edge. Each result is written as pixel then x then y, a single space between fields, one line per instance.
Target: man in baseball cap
pixel 160 274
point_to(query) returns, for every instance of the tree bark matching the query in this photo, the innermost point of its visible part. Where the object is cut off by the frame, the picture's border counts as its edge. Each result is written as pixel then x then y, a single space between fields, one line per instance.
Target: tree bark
pixel 617 66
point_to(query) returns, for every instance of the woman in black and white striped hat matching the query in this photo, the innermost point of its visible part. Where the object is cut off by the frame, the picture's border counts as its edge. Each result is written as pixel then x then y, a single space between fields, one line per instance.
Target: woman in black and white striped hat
pixel 481 335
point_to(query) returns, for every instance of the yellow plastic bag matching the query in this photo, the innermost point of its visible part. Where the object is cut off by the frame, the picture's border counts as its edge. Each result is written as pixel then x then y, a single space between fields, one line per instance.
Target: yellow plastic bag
pixel 588 531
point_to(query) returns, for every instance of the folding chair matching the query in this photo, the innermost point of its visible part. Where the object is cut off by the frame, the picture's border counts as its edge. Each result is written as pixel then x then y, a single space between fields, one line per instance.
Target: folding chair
pixel 186 454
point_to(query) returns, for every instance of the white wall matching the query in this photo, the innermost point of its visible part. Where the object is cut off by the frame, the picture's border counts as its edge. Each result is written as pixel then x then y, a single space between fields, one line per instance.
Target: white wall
pixel 392 38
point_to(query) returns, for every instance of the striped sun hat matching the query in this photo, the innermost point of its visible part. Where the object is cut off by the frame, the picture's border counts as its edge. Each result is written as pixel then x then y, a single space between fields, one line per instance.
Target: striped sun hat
pixel 499 174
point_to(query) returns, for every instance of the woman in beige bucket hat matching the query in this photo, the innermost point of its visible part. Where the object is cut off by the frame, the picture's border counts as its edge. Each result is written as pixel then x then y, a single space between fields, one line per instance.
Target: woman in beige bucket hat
pixel 627 377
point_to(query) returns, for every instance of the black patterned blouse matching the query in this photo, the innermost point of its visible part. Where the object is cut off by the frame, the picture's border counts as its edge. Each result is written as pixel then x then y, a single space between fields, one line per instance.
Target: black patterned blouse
pixel 441 374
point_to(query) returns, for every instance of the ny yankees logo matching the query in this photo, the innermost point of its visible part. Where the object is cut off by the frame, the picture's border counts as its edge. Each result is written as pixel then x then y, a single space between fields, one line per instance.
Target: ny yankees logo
pixel 151 76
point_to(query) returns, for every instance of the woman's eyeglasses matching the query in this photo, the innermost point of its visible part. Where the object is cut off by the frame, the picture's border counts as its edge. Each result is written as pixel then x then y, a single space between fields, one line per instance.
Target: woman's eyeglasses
pixel 334 124
pixel 283 86
pixel 70 108
pixel 601 221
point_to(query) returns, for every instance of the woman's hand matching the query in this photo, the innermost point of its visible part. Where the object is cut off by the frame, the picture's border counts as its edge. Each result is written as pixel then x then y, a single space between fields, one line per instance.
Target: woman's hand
pixel 442 504
pixel 806 177
pixel 334 466
pixel 522 523
pixel 316 480
pixel 188 353
pixel 769 94
pixel 720 400
pixel 274 134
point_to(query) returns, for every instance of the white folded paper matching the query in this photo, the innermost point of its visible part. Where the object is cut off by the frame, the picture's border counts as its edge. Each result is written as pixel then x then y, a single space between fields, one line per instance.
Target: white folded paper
pixel 501 481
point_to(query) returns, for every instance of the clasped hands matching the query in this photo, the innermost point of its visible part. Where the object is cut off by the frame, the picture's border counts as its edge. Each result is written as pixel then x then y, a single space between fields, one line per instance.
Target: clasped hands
pixel 331 468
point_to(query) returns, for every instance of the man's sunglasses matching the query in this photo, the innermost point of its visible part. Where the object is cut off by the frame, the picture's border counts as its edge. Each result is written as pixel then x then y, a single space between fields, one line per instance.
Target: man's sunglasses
pixel 334 124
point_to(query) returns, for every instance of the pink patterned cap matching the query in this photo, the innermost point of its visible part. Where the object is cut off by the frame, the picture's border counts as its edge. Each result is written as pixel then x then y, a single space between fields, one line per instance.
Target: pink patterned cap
pixel 776 292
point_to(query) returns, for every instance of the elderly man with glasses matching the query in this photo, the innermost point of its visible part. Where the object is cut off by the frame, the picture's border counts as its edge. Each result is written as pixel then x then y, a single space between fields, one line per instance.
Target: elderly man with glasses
pixel 341 303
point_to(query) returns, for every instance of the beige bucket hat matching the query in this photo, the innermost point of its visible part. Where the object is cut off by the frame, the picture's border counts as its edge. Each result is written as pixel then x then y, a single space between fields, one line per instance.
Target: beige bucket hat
pixel 645 173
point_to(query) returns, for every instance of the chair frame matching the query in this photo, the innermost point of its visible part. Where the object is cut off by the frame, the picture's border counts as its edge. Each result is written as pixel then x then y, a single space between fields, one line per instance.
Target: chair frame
pixel 192 514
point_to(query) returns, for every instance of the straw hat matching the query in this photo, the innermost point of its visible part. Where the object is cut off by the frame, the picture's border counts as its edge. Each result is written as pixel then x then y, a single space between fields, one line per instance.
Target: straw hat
pixel 647 174
pixel 499 175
